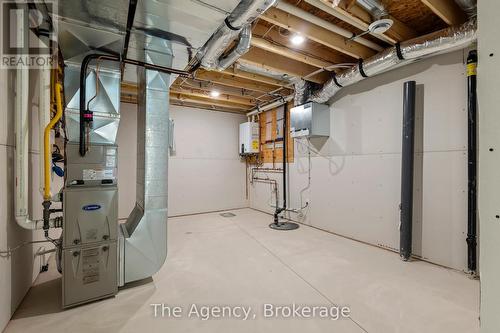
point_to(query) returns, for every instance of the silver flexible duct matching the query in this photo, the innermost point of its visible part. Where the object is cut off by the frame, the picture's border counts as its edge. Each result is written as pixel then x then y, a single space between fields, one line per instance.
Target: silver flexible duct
pixel 374 7
pixel 468 6
pixel 240 49
pixel 244 14
pixel 442 41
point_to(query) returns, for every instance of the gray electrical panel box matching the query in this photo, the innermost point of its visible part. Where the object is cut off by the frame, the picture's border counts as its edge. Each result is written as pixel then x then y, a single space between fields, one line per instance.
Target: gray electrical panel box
pixel 90 225
pixel 310 120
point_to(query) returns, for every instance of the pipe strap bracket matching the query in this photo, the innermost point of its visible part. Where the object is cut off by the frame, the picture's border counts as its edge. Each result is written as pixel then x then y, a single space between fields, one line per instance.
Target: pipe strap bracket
pixel 361 70
pixel 230 26
pixel 398 51
pixel 335 81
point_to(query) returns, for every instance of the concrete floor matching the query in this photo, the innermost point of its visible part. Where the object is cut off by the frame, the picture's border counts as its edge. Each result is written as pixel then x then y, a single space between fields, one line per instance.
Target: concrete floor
pixel 240 261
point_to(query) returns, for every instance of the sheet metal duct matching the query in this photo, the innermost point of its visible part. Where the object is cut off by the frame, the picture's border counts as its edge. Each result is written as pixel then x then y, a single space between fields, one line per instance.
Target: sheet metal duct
pixel 102 98
pixel 244 14
pixel 143 247
pixel 443 41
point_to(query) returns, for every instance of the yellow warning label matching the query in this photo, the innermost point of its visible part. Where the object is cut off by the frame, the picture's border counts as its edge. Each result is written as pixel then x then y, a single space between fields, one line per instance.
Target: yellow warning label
pixel 255 145
pixel 471 69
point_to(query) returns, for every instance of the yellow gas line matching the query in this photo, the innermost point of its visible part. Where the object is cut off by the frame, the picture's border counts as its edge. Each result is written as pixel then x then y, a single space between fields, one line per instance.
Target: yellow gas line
pixel 46 140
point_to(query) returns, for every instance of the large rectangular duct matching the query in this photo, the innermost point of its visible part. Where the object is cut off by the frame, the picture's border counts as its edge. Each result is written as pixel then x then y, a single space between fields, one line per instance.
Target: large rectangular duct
pixel 143 247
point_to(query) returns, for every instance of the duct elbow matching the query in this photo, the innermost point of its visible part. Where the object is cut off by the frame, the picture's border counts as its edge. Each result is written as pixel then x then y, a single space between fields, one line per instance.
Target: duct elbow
pixel 24 222
pixel 240 49
pixel 238 22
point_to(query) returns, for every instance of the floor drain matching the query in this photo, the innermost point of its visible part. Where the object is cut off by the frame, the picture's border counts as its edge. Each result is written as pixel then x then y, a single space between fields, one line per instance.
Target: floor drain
pixel 227 214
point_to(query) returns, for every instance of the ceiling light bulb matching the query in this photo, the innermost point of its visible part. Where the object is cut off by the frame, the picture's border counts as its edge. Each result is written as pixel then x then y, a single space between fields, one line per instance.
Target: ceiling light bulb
pixel 214 93
pixel 297 39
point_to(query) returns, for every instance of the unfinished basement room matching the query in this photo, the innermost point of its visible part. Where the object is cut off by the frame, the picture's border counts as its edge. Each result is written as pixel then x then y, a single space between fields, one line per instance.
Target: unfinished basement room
pixel 254 166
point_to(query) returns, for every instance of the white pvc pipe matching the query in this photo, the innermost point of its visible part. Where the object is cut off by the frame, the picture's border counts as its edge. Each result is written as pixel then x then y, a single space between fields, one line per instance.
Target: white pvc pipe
pixel 21 163
pixel 270 106
pixel 22 152
pixel 290 9
pixel 43 117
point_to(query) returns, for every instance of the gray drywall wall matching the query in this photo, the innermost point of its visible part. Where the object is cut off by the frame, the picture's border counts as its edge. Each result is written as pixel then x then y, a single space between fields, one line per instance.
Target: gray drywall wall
pixel 205 171
pixel 356 173
pixel 489 163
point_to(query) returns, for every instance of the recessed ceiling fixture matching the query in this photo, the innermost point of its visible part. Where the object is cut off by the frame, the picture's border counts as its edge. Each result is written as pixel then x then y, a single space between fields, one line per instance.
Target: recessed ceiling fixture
pixel 297 39
pixel 376 27
pixel 214 93
pixel 380 26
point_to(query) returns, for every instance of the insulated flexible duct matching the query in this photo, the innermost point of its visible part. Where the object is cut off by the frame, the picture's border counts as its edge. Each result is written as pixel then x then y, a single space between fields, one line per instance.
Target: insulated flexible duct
pixel 443 41
pixel 243 15
pixel 241 48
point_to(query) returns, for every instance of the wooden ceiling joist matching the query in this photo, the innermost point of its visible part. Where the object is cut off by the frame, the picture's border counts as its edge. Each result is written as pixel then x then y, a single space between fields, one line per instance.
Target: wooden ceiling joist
pixel 308 48
pixel 245 94
pixel 222 97
pixel 447 10
pixel 254 77
pixel 234 81
pixel 316 33
pixel 358 17
pixel 276 63
pixel 399 31
pixel 190 104
pixel 288 53
pixel 129 94
pixel 206 101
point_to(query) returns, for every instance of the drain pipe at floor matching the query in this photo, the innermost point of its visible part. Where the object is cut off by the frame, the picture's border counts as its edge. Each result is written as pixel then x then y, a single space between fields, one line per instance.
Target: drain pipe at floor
pixel 472 162
pixel 277 225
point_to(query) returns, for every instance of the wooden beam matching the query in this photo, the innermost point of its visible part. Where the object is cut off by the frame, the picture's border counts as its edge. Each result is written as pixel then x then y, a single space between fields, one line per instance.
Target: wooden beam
pixel 207 101
pixel 191 104
pixel 254 77
pixel 233 81
pixel 328 7
pixel 129 93
pixel 275 63
pixel 399 31
pixel 316 33
pixel 222 97
pixel 288 53
pixel 447 10
pixel 361 19
pixel 309 47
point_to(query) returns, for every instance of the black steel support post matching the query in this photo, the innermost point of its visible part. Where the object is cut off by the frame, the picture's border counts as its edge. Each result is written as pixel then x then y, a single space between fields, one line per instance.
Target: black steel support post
pixel 407 161
pixel 277 224
pixel 472 162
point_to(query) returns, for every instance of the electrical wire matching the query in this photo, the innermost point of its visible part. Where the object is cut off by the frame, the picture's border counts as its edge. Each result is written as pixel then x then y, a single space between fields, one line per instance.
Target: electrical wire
pixel 96 82
pixel 7 253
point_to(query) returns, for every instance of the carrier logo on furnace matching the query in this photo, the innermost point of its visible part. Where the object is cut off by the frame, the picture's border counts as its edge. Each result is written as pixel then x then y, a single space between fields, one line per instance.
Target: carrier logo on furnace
pixel 91 207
